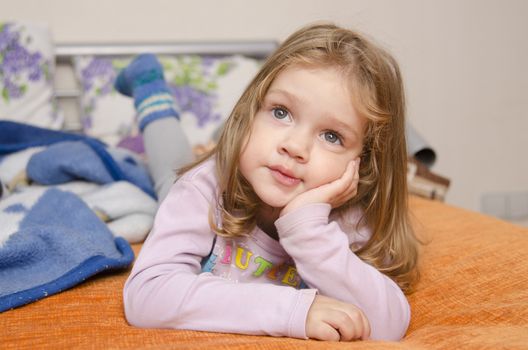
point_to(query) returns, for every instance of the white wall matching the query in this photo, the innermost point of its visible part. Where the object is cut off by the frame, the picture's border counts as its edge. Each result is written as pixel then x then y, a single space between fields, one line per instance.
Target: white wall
pixel 464 63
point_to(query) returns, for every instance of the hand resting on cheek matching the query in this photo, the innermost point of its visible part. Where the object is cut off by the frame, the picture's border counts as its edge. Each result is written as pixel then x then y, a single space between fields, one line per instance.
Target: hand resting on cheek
pixel 335 193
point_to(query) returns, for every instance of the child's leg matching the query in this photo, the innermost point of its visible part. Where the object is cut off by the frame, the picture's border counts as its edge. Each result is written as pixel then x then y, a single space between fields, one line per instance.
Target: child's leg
pixel 166 145
pixel 167 149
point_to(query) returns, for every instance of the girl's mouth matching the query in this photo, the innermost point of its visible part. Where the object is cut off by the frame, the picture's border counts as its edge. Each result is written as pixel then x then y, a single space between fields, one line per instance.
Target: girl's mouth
pixel 284 176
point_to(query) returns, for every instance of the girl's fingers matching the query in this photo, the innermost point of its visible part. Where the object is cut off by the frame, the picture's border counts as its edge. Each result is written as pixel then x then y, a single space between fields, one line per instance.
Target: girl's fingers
pixel 366 328
pixel 346 328
pixel 348 177
pixel 343 325
pixel 350 324
pixel 355 179
pixel 327 332
pixel 346 186
pixel 360 321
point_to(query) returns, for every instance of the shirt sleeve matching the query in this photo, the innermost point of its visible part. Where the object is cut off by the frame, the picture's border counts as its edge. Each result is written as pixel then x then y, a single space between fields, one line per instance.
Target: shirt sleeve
pixel 324 261
pixel 166 288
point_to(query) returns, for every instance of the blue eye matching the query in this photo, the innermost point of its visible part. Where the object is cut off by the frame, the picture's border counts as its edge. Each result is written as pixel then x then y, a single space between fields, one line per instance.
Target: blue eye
pixel 280 113
pixel 332 137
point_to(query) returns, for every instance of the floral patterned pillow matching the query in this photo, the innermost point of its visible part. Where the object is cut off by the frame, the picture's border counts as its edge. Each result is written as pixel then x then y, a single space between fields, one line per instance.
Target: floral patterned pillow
pixel 27 65
pixel 205 89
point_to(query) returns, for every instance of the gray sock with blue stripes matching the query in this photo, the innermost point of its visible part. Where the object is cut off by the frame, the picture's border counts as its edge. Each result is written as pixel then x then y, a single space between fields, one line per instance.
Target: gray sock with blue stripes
pixel 166 145
pixel 143 80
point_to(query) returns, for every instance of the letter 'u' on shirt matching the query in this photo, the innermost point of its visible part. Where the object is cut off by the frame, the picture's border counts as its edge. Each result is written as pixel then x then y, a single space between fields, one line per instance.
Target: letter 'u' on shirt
pixel 238 259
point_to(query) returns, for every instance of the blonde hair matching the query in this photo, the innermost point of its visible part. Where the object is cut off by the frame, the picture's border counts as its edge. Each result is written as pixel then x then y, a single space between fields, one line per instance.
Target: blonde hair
pixel 377 93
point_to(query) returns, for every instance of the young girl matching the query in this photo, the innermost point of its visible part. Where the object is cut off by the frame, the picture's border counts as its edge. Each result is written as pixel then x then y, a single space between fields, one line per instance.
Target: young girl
pixel 296 223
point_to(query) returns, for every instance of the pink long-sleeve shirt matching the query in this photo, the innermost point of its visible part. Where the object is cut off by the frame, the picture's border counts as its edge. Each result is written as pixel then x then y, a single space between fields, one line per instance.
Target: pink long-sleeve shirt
pixel 184 278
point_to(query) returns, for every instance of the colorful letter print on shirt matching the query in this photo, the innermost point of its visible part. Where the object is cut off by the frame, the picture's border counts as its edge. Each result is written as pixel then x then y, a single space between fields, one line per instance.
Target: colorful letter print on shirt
pixel 257 258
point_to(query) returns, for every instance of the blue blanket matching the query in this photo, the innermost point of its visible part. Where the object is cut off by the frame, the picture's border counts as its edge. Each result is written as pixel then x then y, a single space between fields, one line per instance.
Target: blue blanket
pixel 50 240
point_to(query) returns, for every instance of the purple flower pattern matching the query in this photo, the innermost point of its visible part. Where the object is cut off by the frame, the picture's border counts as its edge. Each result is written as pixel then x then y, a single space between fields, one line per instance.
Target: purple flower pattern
pixel 97 79
pixel 193 84
pixel 98 74
pixel 199 103
pixel 18 65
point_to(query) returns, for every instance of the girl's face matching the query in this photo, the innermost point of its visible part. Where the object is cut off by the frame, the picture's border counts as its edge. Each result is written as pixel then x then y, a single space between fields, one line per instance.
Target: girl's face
pixel 303 136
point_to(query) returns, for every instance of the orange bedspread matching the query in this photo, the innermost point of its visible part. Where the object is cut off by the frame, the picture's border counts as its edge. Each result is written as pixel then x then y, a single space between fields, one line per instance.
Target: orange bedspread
pixel 473 294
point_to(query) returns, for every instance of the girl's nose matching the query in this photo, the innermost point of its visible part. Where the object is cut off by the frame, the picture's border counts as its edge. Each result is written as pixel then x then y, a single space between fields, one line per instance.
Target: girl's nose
pixel 297 145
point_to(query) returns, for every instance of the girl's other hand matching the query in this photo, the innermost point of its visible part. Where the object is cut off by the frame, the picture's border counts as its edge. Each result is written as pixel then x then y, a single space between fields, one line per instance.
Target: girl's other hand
pixel 331 319
pixel 335 193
